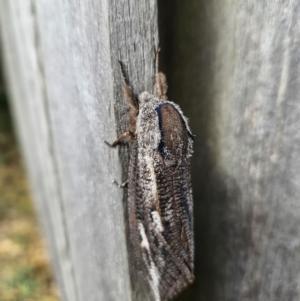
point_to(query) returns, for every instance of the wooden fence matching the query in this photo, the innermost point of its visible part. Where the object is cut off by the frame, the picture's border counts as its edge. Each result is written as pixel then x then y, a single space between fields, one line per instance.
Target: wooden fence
pixel 234 68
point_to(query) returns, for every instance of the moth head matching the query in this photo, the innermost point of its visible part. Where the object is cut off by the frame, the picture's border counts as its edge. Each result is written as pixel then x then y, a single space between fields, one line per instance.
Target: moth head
pixel 144 97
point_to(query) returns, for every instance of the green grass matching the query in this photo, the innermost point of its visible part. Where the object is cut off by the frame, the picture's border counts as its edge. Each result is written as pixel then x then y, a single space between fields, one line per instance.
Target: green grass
pixel 24 283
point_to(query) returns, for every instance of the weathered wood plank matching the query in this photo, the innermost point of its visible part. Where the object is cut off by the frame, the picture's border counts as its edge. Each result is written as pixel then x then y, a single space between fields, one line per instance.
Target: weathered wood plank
pixel 234 68
pixel 65 85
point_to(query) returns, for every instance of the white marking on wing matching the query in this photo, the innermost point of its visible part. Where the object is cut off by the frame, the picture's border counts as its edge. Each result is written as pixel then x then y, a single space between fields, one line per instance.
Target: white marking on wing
pixel 155 281
pixel 157 220
pixel 154 274
pixel 145 242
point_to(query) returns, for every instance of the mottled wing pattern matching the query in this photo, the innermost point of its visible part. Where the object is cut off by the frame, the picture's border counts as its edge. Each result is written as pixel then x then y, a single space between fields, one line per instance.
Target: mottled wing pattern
pixel 160 199
pixel 175 243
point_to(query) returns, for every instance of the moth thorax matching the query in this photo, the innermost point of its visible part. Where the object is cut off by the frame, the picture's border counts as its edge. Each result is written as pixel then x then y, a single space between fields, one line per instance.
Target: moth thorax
pixel 145 96
pixel 174 131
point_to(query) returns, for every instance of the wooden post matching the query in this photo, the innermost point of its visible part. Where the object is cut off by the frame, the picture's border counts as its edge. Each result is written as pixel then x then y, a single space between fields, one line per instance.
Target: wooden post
pixel 234 69
pixel 65 83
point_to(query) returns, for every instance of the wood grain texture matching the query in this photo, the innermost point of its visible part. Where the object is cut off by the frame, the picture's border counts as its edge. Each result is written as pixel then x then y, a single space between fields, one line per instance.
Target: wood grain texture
pixel 234 69
pixel 65 83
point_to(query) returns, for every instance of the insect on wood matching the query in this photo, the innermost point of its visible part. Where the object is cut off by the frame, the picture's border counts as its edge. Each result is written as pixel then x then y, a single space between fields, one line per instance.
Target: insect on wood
pixel 160 202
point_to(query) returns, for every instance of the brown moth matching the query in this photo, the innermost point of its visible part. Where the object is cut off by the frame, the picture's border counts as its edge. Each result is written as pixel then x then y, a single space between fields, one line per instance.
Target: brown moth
pixel 160 201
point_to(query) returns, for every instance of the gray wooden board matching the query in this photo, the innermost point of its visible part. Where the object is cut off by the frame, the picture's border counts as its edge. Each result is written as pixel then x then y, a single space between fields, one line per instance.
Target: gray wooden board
pixel 65 86
pixel 234 68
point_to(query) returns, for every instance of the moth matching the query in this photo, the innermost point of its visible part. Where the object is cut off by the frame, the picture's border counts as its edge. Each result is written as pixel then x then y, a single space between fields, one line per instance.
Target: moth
pixel 160 202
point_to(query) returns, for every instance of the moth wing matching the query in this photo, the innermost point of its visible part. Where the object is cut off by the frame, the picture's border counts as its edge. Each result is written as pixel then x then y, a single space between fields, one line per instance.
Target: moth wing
pixel 165 205
pixel 174 231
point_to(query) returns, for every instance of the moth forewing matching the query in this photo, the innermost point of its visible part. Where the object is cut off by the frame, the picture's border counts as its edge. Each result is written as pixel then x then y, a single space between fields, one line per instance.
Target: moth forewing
pixel 164 144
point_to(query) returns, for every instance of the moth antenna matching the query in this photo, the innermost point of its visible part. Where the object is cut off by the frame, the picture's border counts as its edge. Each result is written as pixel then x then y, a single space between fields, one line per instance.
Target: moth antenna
pixel 124 73
pixel 131 98
pixel 157 60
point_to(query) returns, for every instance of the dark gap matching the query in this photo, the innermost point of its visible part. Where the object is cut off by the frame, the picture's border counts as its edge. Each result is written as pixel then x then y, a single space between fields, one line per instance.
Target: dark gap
pixel 188 42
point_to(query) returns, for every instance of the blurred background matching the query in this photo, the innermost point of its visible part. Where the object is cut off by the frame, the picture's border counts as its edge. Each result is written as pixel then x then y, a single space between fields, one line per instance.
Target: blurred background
pixel 25 273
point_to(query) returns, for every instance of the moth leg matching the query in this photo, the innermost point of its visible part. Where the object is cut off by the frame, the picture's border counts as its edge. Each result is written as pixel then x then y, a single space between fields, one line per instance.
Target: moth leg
pixel 120 185
pixel 124 184
pixel 124 138
pixel 161 86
